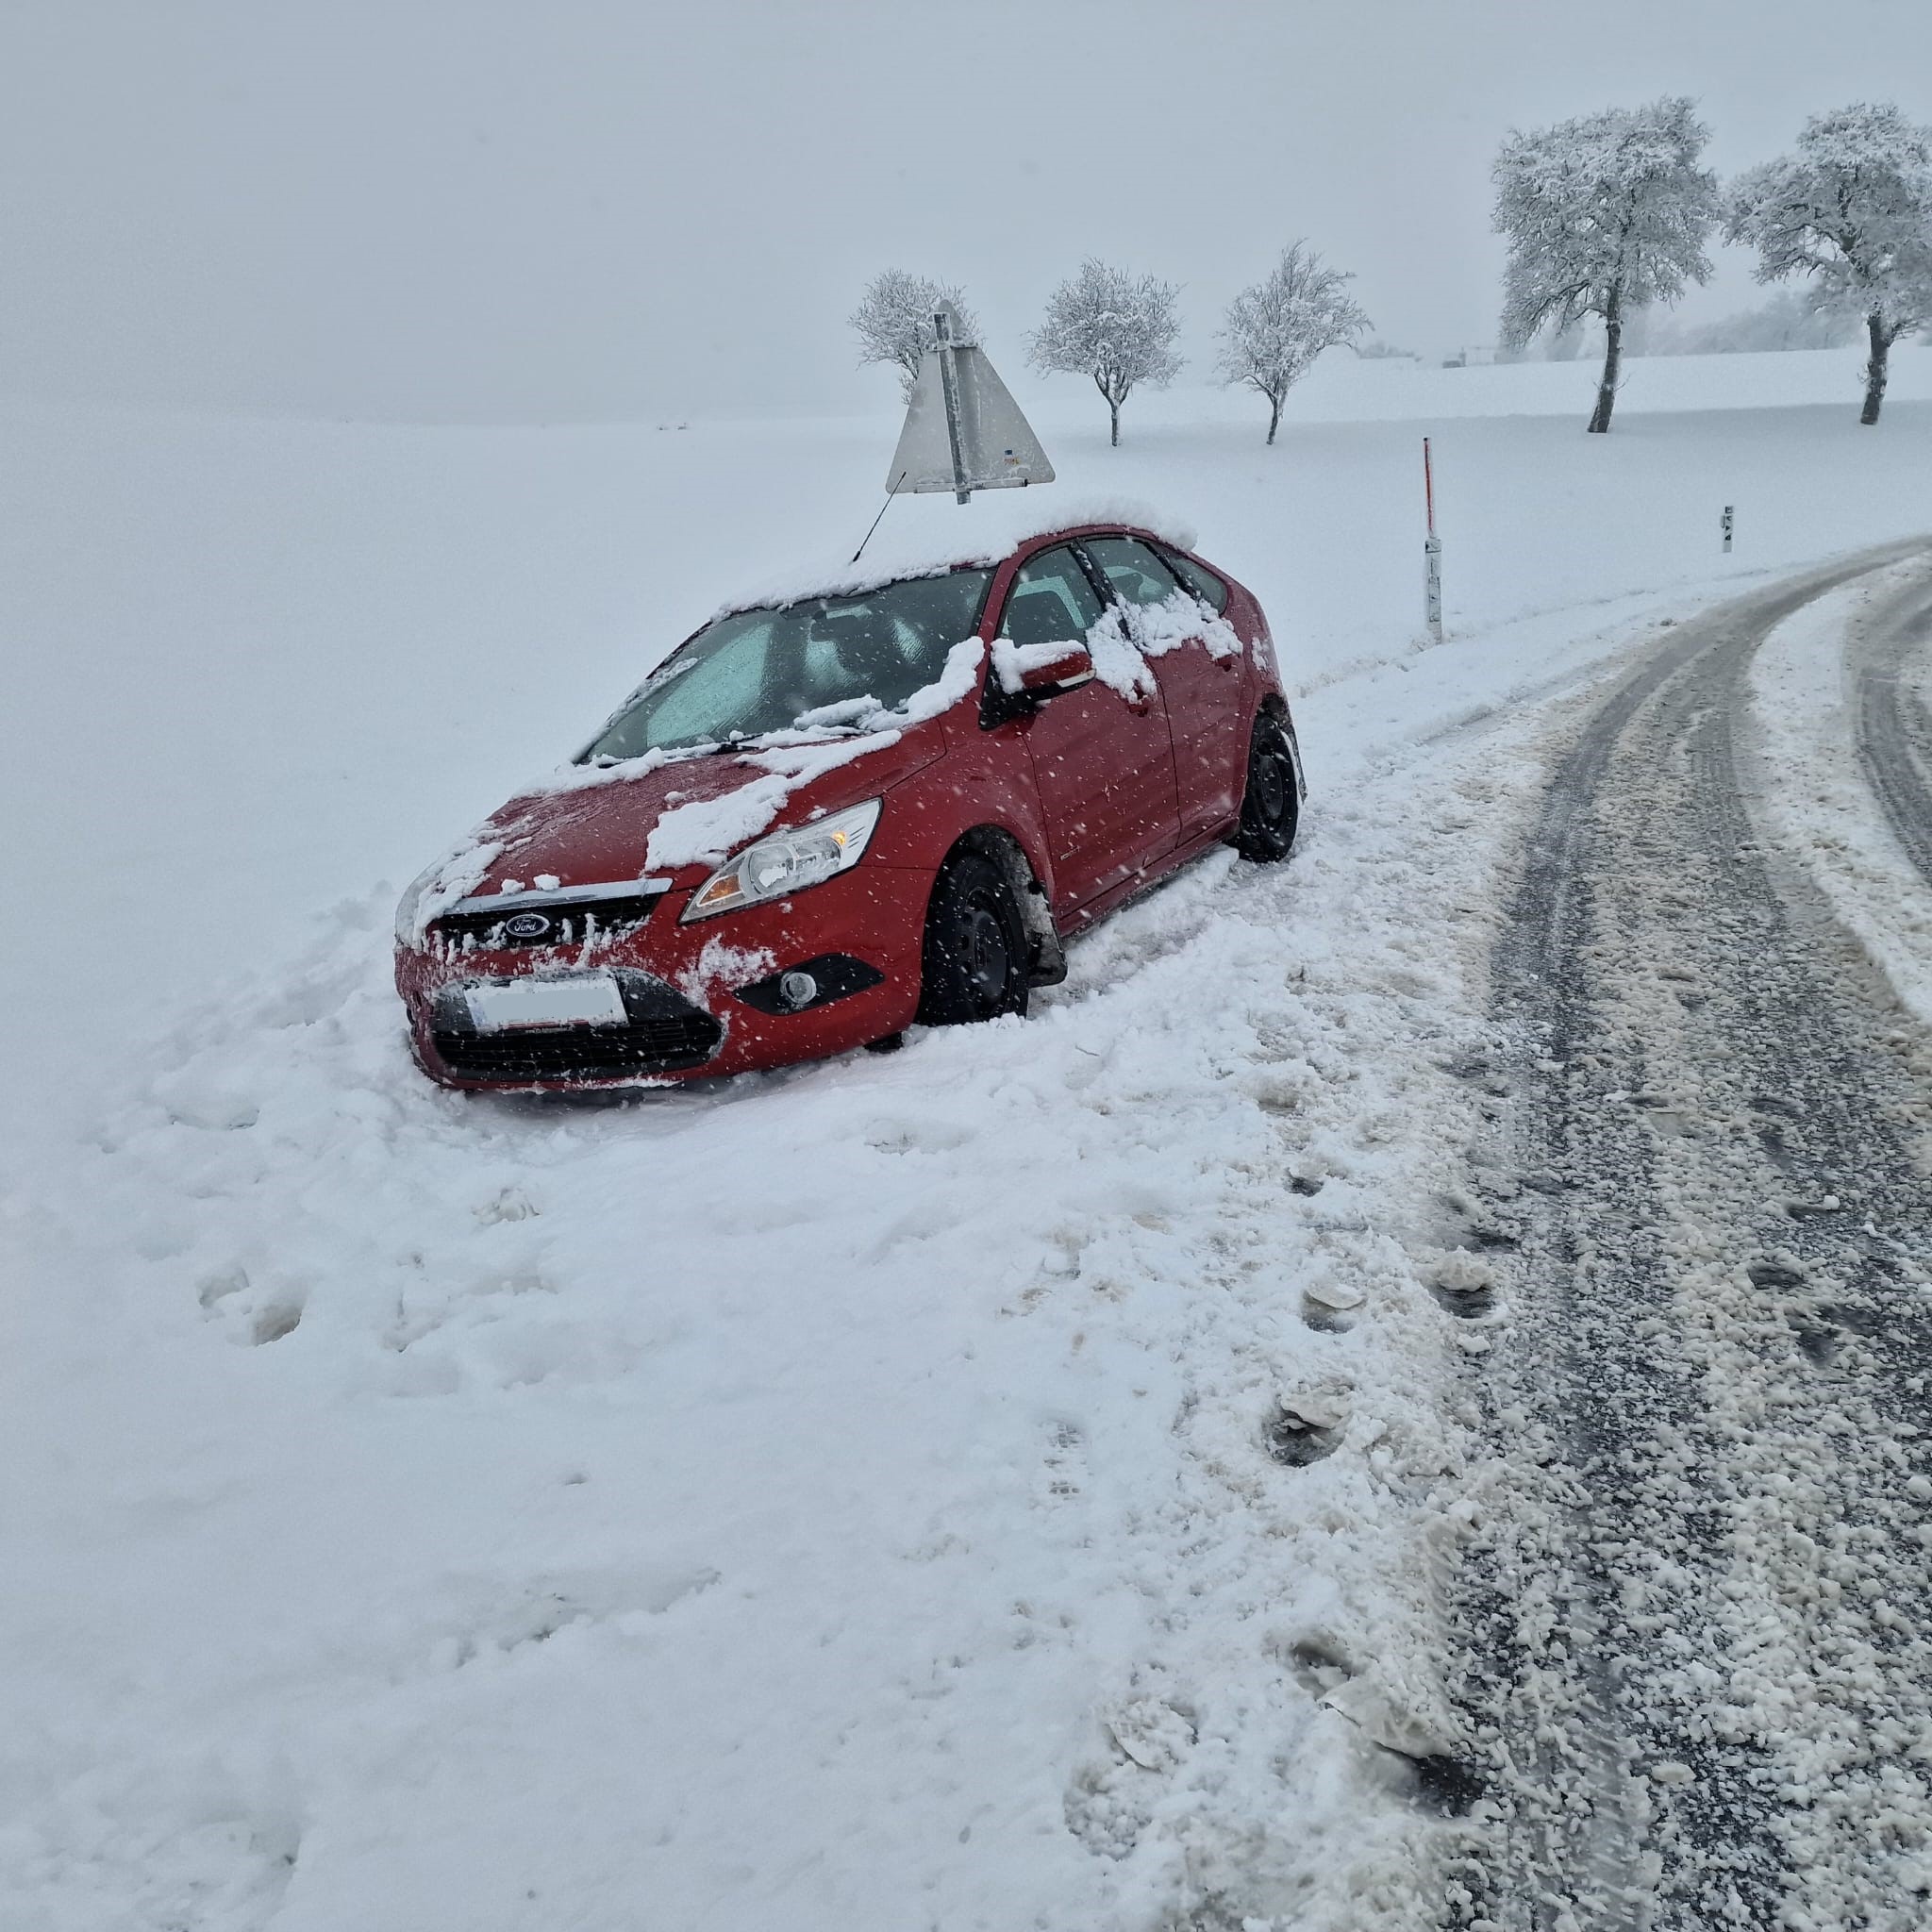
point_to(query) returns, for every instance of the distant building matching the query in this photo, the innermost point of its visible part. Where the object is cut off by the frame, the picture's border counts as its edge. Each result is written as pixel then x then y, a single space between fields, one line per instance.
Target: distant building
pixel 1479 358
pixel 1387 352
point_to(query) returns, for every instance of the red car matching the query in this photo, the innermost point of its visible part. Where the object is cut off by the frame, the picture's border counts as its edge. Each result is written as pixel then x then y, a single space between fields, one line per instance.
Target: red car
pixel 822 820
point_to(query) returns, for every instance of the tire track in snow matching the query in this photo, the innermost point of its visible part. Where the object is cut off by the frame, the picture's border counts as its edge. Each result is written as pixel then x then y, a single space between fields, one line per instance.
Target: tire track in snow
pixel 1698 1649
pixel 1895 732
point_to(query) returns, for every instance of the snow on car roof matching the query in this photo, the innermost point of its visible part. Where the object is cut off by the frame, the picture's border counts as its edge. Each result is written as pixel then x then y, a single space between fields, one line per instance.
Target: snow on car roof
pixel 923 536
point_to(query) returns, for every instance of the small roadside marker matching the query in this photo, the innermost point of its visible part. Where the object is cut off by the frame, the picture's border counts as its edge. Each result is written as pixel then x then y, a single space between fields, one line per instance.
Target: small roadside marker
pixel 1432 554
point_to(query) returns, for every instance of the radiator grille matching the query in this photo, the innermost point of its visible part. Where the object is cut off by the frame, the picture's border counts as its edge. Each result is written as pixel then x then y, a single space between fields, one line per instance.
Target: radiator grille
pixel 566 924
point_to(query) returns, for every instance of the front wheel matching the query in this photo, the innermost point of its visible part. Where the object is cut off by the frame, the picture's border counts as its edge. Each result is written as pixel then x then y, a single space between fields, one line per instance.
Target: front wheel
pixel 973 962
pixel 1272 801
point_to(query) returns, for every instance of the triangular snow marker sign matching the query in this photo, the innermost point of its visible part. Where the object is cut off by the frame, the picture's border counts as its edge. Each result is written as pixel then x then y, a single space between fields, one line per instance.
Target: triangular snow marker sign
pixel 982 441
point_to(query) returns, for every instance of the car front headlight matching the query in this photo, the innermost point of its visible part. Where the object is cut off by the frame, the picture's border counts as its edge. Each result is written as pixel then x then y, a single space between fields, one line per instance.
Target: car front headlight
pixel 788 862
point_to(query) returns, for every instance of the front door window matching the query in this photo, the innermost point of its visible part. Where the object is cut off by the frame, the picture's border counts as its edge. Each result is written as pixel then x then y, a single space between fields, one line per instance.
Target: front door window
pixel 1103 765
pixel 1050 602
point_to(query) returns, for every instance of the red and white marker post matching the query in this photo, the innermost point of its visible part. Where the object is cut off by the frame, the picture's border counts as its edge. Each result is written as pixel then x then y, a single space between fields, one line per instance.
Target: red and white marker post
pixel 1432 555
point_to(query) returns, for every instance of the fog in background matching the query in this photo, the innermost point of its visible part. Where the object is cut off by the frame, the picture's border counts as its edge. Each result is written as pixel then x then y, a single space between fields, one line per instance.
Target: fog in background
pixel 482 211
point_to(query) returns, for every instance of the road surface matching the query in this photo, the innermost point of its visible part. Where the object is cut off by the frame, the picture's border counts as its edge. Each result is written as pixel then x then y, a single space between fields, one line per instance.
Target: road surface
pixel 1700 1622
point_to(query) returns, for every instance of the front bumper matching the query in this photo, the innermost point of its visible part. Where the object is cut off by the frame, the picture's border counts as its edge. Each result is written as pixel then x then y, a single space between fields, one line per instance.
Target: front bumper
pixel 682 988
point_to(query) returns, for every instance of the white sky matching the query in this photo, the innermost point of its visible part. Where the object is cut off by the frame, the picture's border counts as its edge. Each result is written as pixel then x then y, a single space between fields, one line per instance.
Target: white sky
pixel 576 208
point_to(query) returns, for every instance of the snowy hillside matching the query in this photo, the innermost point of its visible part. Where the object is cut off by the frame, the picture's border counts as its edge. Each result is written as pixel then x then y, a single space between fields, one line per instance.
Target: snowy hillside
pixel 369 634
pixel 1006 1484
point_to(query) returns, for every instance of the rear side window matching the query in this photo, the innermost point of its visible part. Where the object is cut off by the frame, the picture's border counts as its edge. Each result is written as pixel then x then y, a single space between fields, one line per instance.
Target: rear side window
pixel 1137 575
pixel 1051 601
pixel 1199 579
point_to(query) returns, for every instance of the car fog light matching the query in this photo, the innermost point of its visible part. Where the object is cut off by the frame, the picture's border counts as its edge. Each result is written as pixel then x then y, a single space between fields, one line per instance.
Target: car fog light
pixel 798 990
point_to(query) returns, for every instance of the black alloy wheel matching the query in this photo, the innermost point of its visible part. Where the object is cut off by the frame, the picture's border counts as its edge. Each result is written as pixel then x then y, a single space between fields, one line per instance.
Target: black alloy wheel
pixel 1272 804
pixel 974 957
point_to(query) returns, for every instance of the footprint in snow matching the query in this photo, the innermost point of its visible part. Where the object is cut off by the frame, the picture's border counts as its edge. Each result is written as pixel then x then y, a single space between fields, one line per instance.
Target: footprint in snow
pixel 507 1204
pixel 1066 1460
pixel 1307 1427
pixel 275 1320
pixel 1327 1305
pixel 1818 1341
pixel 256 1313
pixel 1320 1663
pixel 1417 1744
pixel 1111 1801
pixel 1462 1283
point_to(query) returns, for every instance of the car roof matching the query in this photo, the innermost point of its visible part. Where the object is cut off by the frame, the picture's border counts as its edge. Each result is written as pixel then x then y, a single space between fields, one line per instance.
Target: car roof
pixel 936 536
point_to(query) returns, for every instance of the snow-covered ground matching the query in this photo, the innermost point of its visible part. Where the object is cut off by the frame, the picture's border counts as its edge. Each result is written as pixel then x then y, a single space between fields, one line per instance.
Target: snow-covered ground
pixel 1805 703
pixel 257 665
pixel 857 1498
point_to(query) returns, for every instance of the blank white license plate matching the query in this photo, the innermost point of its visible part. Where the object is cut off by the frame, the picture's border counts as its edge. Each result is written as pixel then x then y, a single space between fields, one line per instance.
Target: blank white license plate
pixel 590 999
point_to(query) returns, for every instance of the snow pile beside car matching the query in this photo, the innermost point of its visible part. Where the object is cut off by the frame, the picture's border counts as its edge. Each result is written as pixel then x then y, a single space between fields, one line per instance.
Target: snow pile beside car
pixel 963 1485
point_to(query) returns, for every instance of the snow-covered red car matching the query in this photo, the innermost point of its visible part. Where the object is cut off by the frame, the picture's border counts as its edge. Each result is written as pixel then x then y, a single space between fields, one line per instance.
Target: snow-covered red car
pixel 825 817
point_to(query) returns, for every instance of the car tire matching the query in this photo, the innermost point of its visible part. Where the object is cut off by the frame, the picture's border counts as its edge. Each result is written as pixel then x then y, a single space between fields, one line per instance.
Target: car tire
pixel 974 959
pixel 1271 799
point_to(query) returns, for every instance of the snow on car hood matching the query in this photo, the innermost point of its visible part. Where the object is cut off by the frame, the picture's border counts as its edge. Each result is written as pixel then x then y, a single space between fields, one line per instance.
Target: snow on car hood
pixel 667 811
pixel 680 813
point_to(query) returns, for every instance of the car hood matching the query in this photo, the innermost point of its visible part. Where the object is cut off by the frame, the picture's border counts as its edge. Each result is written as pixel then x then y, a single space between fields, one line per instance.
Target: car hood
pixel 681 818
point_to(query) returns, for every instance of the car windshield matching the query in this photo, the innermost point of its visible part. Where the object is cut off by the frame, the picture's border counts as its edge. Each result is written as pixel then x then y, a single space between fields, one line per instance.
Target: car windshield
pixel 832 664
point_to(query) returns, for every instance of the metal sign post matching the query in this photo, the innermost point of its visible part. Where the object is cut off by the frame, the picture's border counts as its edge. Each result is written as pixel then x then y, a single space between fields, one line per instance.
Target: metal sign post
pixel 949 384
pixel 1727 526
pixel 1432 554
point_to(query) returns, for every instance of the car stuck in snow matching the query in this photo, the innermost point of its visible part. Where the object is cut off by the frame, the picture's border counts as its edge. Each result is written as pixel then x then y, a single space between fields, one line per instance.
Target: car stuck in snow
pixel 826 817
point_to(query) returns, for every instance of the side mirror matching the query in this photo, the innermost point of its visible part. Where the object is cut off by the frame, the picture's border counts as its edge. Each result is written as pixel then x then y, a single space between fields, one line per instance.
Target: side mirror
pixel 1039 670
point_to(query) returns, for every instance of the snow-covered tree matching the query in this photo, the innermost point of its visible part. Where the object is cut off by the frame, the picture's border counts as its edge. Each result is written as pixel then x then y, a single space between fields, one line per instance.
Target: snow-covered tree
pixel 1274 330
pixel 894 320
pixel 1118 328
pixel 1605 214
pixel 1852 209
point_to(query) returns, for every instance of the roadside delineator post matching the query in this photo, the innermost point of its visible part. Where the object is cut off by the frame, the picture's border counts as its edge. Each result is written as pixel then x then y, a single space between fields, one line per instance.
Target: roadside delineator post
pixel 1432 554
pixel 1727 526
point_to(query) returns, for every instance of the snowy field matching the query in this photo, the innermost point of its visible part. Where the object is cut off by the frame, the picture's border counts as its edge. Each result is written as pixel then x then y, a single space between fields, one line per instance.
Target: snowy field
pixel 371 633
pixel 865 1497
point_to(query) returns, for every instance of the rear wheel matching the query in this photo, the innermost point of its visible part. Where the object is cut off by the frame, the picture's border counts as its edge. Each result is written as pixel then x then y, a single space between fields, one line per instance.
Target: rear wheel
pixel 1272 803
pixel 974 964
